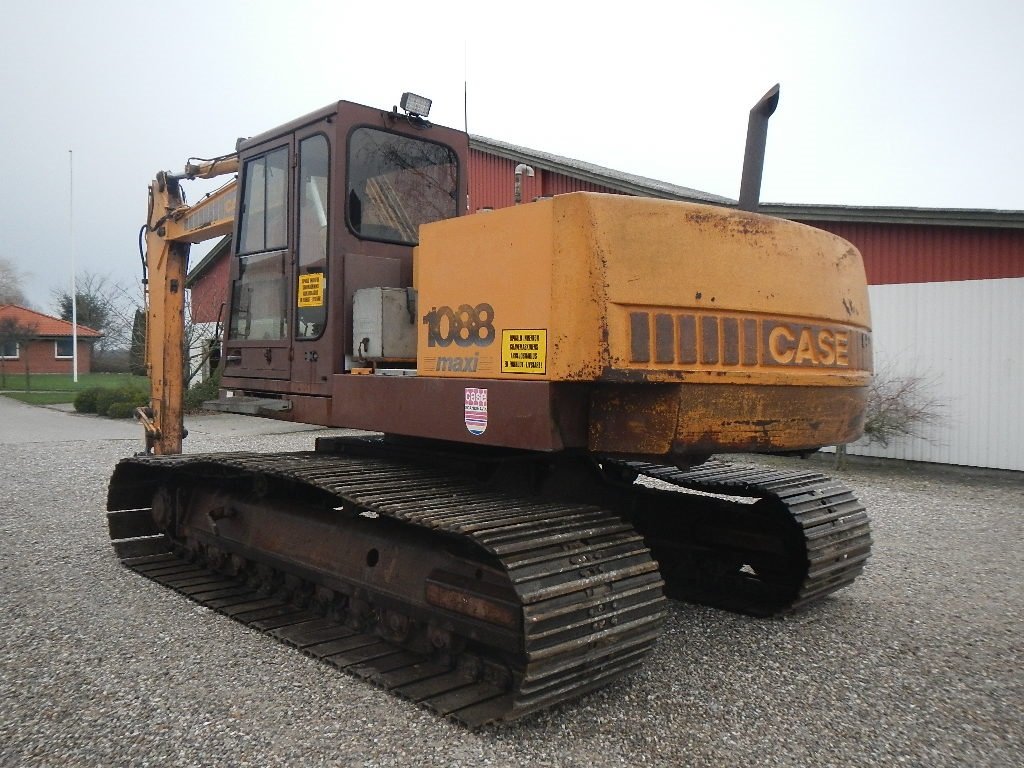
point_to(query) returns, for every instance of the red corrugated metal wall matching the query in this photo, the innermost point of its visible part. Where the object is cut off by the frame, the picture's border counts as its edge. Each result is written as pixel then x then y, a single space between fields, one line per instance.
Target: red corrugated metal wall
pixel 492 182
pixel 893 253
pixel 908 253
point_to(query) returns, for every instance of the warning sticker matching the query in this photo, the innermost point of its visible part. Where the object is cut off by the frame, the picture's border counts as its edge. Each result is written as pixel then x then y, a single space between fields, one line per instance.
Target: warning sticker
pixel 311 290
pixel 524 351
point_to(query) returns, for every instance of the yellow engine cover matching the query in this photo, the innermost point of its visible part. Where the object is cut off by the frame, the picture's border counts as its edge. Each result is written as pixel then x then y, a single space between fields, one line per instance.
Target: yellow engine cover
pixel 608 288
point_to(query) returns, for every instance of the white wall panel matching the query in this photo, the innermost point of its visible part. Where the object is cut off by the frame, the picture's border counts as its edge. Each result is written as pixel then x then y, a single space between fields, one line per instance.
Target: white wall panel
pixel 965 340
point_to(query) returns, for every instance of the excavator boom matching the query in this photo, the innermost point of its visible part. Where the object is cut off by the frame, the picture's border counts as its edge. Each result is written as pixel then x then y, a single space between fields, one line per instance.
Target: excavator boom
pixel 172 226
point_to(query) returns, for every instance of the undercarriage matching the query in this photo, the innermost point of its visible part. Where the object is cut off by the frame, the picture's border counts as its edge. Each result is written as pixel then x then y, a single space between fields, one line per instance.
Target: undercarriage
pixel 483 585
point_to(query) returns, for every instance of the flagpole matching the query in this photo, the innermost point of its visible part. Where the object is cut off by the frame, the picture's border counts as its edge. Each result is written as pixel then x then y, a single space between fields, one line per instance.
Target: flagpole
pixel 71 238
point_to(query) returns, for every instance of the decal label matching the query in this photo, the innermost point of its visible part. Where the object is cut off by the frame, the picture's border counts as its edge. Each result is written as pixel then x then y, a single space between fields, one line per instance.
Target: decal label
pixel 466 326
pixel 793 344
pixel 476 410
pixel 735 340
pixel 524 351
pixel 470 364
pixel 311 290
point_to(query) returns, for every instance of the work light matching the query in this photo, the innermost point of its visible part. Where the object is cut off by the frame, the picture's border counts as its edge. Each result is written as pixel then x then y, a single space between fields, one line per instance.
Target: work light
pixel 417 106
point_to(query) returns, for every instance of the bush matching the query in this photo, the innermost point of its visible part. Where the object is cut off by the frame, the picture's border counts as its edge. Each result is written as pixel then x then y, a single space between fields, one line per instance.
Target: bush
pixel 134 398
pixel 121 410
pixel 204 390
pixel 85 401
pixel 106 398
pixel 898 406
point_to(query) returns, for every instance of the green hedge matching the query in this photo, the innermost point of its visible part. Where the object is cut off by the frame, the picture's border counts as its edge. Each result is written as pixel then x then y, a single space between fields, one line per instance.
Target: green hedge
pixel 101 400
pixel 85 401
pixel 129 397
pixel 121 410
pixel 107 398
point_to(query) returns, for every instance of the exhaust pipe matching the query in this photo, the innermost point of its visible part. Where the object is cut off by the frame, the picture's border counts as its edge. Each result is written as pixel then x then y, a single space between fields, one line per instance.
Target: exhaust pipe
pixel 753 155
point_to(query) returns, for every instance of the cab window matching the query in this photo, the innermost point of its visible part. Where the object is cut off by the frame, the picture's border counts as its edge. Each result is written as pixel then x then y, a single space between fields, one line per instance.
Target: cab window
pixel 259 303
pixel 396 183
pixel 264 224
pixel 311 293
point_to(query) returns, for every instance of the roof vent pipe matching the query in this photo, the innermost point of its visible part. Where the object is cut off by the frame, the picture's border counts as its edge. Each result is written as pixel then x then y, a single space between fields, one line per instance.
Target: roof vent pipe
pixel 753 155
pixel 520 170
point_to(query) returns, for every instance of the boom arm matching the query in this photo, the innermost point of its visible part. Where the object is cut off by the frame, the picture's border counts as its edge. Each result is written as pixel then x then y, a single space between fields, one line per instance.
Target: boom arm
pixel 171 227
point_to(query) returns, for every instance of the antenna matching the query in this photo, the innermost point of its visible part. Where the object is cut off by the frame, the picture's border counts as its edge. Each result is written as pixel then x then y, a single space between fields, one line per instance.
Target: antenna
pixel 71 248
pixel 465 105
pixel 465 87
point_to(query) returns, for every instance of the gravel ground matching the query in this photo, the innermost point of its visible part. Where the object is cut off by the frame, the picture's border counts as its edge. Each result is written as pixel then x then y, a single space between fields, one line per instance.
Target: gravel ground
pixel 919 663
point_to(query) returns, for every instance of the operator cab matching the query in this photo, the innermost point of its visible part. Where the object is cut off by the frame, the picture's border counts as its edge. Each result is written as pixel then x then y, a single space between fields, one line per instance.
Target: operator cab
pixel 329 203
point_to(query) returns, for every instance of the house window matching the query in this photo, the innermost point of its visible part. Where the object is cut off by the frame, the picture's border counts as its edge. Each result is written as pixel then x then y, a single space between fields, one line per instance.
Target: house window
pixel 9 350
pixel 64 348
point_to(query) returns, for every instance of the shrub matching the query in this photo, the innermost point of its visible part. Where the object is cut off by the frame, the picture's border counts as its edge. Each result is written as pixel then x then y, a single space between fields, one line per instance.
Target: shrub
pixel 128 395
pixel 204 390
pixel 105 398
pixel 121 410
pixel 85 401
pixel 898 406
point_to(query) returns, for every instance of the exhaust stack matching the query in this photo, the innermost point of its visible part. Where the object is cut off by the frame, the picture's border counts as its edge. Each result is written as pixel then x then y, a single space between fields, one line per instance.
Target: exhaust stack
pixel 753 155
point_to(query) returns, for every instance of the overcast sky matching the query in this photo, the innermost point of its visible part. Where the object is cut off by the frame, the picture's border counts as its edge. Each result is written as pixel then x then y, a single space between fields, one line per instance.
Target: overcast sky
pixel 884 102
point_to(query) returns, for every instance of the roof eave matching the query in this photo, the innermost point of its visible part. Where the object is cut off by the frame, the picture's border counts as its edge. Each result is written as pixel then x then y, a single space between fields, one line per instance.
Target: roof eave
pixel 947 217
pixel 595 174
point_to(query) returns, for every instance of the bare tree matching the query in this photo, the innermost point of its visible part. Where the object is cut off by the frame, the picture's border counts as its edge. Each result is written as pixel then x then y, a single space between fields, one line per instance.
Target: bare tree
pixel 15 335
pixel 196 346
pixel 11 280
pixel 897 406
pixel 103 305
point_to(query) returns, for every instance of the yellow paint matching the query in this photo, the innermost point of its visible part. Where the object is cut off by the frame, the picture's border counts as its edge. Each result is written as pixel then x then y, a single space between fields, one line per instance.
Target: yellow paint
pixel 213 216
pixel 171 224
pixel 772 302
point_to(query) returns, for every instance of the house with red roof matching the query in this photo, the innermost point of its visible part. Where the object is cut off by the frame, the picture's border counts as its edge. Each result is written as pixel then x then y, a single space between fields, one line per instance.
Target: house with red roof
pixel 47 343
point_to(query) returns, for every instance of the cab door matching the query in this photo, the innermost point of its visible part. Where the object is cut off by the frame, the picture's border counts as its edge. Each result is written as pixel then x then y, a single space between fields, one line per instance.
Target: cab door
pixel 313 357
pixel 259 335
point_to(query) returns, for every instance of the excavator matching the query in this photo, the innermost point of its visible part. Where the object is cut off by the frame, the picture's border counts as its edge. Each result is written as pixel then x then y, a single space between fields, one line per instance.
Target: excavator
pixel 539 398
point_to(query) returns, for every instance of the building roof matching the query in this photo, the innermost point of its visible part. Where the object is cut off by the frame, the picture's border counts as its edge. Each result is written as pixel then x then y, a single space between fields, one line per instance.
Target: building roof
pixel 641 185
pixel 45 325
pixel 869 214
pixel 627 183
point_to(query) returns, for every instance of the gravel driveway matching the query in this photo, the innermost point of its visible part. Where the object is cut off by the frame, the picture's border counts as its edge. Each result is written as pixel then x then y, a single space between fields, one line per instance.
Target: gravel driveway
pixel 919 663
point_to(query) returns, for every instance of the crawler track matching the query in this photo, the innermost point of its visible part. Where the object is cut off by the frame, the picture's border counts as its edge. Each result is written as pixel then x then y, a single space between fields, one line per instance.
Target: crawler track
pixel 802 536
pixel 571 600
pixel 587 595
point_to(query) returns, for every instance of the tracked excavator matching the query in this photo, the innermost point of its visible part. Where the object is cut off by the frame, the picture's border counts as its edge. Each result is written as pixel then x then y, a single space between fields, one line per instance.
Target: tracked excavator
pixel 540 391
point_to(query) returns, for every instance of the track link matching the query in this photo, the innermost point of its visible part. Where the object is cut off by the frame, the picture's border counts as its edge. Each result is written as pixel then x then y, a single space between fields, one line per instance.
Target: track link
pixel 588 594
pixel 806 536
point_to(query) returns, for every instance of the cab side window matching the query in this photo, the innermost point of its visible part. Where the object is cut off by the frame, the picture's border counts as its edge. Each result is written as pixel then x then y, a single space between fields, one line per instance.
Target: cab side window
pixel 264 212
pixel 259 304
pixel 311 298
